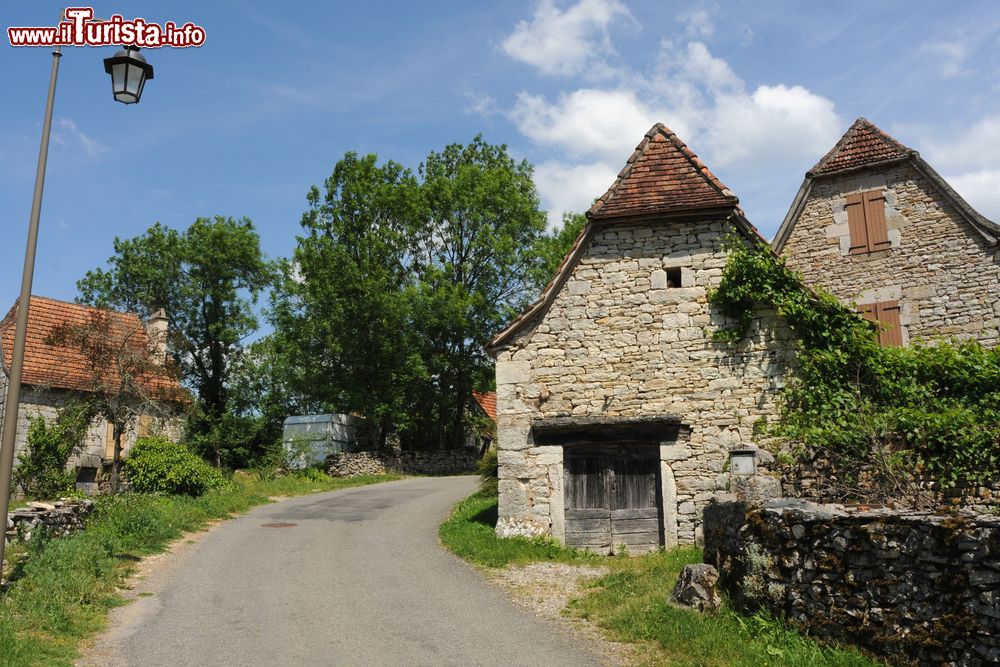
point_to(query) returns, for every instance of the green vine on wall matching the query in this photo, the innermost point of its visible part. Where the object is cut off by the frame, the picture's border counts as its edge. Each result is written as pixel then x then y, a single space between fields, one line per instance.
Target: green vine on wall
pixel 935 406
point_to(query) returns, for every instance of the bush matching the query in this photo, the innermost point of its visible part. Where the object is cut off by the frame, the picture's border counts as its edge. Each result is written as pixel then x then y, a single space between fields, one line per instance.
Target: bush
pixel 41 470
pixel 156 465
pixel 489 473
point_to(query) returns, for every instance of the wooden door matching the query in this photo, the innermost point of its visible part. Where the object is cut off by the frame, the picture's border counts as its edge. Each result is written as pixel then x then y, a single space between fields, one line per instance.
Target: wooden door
pixel 612 498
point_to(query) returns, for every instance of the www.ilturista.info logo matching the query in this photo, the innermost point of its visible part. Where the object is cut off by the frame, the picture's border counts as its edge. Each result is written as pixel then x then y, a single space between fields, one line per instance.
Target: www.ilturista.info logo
pixel 79 28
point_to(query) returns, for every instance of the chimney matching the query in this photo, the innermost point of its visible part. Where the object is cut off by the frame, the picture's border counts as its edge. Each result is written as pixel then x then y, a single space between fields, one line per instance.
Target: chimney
pixel 156 330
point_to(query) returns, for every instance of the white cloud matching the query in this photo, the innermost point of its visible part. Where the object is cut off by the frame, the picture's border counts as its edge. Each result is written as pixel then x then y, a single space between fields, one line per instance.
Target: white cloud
pixel 480 103
pixel 586 122
pixel 572 187
pixel 974 147
pixel 565 42
pixel 697 23
pixel 949 55
pixel 981 189
pixel 67 135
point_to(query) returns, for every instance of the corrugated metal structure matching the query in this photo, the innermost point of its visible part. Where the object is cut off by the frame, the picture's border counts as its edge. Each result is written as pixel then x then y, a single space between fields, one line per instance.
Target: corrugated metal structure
pixel 309 439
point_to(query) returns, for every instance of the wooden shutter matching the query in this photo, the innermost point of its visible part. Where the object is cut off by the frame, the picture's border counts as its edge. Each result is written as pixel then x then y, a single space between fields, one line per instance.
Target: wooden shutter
pixel 856 223
pixel 891 333
pixel 878 234
pixel 145 425
pixel 109 442
pixel 885 315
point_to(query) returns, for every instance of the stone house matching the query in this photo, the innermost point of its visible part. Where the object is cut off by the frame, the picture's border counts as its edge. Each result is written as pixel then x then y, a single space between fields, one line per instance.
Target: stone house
pixel 875 225
pixel 54 374
pixel 616 407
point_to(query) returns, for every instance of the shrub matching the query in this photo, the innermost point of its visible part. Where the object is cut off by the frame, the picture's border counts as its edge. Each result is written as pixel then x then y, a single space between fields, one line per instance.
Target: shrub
pixel 41 470
pixel 156 465
pixel 489 473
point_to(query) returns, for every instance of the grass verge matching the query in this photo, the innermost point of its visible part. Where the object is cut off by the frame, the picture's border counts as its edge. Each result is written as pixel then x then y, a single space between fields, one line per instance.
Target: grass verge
pixel 631 602
pixel 64 588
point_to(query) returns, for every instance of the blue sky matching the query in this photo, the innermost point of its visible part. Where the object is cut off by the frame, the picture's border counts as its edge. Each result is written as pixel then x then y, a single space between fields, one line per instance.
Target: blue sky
pixel 244 125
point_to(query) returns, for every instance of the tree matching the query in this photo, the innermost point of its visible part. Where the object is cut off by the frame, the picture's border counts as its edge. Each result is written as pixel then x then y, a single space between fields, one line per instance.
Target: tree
pixel 551 248
pixel 343 305
pixel 207 279
pixel 483 218
pixel 123 381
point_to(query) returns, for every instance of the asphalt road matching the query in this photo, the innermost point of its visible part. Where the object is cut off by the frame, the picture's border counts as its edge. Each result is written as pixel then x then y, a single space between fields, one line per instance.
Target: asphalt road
pixel 359 578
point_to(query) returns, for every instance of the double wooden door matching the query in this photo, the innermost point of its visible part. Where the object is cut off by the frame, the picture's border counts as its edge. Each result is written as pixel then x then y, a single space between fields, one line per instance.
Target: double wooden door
pixel 612 498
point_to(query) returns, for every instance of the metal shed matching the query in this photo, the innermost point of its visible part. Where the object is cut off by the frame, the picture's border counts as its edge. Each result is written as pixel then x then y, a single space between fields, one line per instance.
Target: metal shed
pixel 309 439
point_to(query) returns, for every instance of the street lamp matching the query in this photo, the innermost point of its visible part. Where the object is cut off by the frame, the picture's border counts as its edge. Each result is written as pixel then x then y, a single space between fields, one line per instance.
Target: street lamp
pixel 129 72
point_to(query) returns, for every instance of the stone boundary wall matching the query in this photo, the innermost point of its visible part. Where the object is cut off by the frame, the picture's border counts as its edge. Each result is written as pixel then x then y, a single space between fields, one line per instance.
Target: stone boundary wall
pixel 445 462
pixel 59 518
pixel 818 479
pixel 909 586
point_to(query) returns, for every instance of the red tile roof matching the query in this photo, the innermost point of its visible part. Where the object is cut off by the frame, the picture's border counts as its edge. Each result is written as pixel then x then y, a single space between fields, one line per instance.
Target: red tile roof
pixel 488 402
pixel 662 176
pixel 66 367
pixel 863 144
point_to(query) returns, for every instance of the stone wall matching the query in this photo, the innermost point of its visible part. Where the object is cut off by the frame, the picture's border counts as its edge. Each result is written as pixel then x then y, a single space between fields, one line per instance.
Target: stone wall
pixel 47 403
pixel 940 269
pixel 445 462
pixel 819 477
pixel 909 586
pixel 620 341
pixel 59 518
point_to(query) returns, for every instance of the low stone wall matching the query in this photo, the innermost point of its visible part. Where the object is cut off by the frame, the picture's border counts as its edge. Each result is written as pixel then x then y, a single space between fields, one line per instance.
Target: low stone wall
pixel 820 479
pixel 59 518
pixel 443 462
pixel 910 586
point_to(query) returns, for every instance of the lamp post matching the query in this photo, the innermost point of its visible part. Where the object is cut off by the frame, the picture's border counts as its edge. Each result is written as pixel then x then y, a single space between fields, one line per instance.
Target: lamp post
pixel 129 72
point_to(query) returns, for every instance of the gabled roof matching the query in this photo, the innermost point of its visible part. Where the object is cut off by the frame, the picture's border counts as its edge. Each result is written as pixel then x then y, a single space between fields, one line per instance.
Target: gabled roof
pixel 662 178
pixel 865 146
pixel 487 400
pixel 862 145
pixel 66 367
pixel 663 175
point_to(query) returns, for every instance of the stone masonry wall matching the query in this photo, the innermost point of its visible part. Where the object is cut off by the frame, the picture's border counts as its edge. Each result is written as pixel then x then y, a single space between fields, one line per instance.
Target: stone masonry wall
pixel 618 341
pixel 448 462
pixel 913 587
pixel 940 269
pixel 59 518
pixel 47 403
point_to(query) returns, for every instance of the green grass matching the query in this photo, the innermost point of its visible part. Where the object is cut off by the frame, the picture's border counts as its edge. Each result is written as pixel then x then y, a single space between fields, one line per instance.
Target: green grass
pixel 631 603
pixel 64 588
pixel 469 533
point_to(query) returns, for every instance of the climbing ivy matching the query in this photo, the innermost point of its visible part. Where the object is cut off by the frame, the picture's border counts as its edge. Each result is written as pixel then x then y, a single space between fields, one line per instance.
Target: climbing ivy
pixel 934 407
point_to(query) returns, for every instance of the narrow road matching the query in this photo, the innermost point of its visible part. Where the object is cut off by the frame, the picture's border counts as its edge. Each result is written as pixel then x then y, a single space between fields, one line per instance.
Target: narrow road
pixel 353 577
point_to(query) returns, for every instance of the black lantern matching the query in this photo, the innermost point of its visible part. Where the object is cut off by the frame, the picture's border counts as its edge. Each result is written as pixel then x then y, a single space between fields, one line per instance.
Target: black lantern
pixel 129 72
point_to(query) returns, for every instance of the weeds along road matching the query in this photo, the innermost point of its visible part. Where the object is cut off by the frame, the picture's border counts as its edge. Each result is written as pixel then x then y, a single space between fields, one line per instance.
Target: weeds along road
pixel 351 577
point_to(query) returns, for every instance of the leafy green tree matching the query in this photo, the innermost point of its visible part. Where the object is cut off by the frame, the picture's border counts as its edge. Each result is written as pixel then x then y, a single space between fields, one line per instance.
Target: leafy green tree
pixel 473 265
pixel 344 304
pixel 207 279
pixel 552 247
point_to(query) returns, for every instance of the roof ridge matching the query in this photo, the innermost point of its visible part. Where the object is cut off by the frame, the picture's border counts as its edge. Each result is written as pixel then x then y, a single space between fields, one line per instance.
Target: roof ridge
pixel 725 196
pixel 840 158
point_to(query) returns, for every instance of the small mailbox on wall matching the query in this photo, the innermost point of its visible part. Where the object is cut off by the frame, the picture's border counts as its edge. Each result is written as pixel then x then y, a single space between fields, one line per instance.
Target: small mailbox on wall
pixel 743 462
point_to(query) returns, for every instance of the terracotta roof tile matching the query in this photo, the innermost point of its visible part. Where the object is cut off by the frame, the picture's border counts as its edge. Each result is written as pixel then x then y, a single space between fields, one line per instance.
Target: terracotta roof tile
pixel 488 402
pixel 62 367
pixel 863 144
pixel 662 176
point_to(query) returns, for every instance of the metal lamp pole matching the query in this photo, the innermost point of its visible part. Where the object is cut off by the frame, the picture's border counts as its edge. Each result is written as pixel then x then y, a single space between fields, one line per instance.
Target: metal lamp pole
pixel 17 358
pixel 129 72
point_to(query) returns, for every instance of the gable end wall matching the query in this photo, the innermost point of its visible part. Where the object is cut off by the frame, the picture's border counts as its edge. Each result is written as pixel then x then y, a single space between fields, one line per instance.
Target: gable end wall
pixel 941 270
pixel 616 342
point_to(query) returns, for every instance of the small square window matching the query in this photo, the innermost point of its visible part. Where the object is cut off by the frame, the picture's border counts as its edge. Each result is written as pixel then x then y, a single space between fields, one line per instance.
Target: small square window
pixel 674 277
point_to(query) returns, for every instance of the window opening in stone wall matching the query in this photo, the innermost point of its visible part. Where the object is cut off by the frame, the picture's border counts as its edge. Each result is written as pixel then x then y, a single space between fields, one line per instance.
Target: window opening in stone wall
pixel 866 222
pixel 673 277
pixel 886 315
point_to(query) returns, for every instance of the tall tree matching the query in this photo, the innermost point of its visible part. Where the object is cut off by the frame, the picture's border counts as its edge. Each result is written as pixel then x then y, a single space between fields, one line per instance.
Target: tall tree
pixel 343 304
pixel 207 279
pixel 552 247
pixel 483 220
